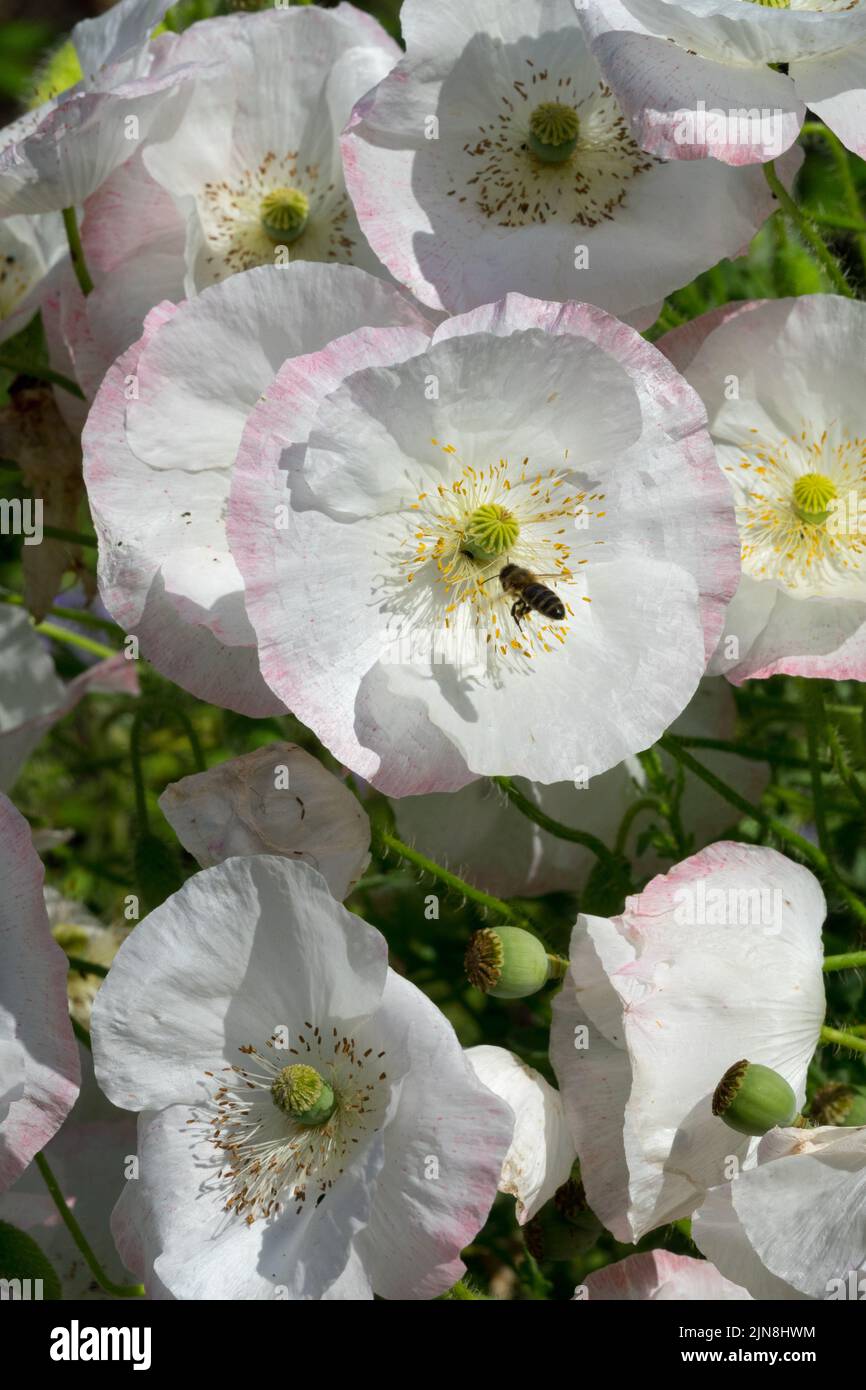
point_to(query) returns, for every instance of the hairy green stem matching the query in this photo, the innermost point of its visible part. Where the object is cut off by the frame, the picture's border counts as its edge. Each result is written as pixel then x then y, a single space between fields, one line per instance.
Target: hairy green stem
pixel 76 251
pixel 75 615
pixel 851 960
pixel 811 853
pixel 849 1040
pixel 553 827
pixel 75 639
pixel 808 232
pixel 72 1226
pixel 646 803
pixel 815 721
pixel 444 876
pixel 846 180
pixel 38 373
pixel 61 533
pixel 757 755
pixel 847 775
pixel 135 737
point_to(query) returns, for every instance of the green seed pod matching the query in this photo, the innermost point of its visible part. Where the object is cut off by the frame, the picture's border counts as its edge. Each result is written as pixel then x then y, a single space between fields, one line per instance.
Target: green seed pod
pixel 507 962
pixel 565 1227
pixel 838 1104
pixel 300 1092
pixel 284 213
pixel 753 1099
pixel 553 132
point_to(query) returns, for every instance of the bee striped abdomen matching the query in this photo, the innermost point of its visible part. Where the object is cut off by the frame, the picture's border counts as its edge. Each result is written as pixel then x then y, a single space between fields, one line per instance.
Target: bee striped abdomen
pixel 544 601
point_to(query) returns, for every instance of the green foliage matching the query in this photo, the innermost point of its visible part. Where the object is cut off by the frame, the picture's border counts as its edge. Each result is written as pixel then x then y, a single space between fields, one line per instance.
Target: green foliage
pixel 21 1258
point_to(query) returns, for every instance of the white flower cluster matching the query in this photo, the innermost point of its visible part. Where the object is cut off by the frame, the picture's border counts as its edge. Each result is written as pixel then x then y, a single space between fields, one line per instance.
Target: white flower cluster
pixel 371 435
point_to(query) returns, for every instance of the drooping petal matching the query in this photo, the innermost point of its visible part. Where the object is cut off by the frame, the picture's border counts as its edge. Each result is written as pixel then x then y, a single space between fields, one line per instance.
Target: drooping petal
pixel 718 960
pixel 657 1276
pixel 40 1049
pixel 542 1154
pixel 792 1226
pixel 277 800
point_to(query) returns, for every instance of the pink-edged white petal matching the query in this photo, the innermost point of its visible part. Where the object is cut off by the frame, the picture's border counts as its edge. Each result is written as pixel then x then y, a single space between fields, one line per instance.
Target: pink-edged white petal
pixel 496 412
pixel 714 78
pixel 40 1057
pixel 542 1153
pixel 792 1227
pixel 93 1157
pixel 252 967
pixel 153 1041
pixel 717 960
pixel 481 837
pixel 784 404
pixel 276 800
pixel 657 1276
pixel 445 1146
pixel 159 448
pixel 471 213
pixel 834 87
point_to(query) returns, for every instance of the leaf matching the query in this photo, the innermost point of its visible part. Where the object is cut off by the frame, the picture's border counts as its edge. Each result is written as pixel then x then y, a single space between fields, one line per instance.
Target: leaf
pixel 22 1259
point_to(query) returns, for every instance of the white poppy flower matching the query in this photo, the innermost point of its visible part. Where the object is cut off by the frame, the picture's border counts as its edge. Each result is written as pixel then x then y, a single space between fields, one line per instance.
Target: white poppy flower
pixel 55 156
pixel 543 436
pixel 541 1155
pixel 250 1002
pixel 32 696
pixel 657 1276
pixel 718 960
pixel 159 447
pixel 792 1227
pixel 250 176
pixel 276 800
pixel 40 1072
pixel 783 391
pixel 495 847
pixel 30 247
pixel 721 78
pixel 494 157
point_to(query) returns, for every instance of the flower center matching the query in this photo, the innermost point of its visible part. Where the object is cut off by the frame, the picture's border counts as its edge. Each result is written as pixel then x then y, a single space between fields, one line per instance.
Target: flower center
pixel 299 1091
pixel 773 4
pixel 799 508
pixel 553 132
pixel 813 493
pixel 284 213
pixel 491 530
pixel 287 1132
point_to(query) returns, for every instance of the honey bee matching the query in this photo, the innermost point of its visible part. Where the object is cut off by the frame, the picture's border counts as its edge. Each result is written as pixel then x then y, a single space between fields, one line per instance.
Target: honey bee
pixel 530 594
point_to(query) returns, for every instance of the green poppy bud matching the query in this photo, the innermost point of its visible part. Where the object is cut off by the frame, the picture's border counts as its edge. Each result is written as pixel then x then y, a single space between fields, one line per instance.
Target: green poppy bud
pixel 507 962
pixel 839 1104
pixel 753 1099
pixel 565 1227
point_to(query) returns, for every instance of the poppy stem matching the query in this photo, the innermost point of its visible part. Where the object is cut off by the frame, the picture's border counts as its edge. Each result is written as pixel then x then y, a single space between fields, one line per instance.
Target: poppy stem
pixel 808 232
pixel 72 1226
pixel 76 251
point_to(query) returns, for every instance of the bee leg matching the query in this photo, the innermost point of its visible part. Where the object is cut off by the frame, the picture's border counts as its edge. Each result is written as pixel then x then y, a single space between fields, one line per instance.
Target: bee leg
pixel 519 610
